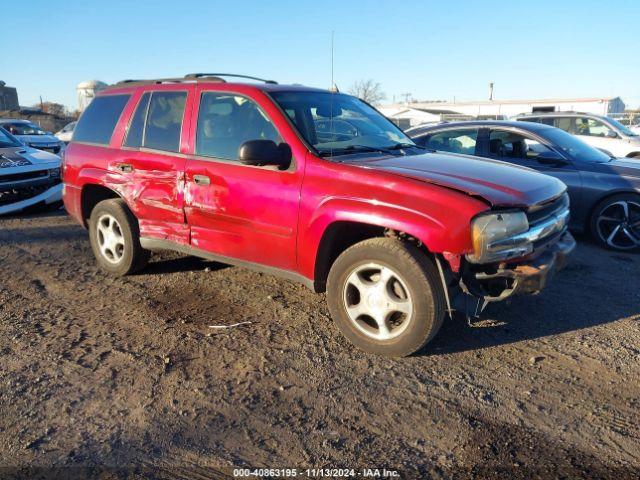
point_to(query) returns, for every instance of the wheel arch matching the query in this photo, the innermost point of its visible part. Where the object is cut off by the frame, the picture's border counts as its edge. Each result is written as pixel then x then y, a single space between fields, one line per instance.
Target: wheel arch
pixel 92 194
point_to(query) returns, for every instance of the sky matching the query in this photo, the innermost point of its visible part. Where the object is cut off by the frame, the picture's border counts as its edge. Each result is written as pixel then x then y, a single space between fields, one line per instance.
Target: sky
pixel 435 50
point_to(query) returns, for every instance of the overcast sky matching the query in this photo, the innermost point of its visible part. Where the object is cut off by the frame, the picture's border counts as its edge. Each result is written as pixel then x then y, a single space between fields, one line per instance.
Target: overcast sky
pixel 431 49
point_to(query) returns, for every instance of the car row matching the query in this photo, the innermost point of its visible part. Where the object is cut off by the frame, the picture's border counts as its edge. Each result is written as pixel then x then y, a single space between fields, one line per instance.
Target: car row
pixel 315 186
pixel 604 191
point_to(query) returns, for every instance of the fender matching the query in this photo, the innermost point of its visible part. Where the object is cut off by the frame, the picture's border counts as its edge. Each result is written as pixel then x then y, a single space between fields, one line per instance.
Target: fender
pixel 450 233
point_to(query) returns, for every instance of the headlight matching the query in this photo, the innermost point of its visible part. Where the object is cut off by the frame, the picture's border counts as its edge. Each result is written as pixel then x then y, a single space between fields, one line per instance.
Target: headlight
pixel 491 236
pixel 54 172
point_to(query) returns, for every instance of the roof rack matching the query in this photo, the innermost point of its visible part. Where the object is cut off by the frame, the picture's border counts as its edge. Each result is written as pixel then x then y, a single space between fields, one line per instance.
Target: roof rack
pixel 233 75
pixel 191 77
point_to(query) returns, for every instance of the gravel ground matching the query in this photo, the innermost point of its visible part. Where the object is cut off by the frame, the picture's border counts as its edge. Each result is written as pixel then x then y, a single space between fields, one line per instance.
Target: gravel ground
pixel 123 378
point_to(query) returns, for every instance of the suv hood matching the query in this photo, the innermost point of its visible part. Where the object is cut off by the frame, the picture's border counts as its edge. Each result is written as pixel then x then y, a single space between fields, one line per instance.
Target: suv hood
pixel 25 159
pixel 498 183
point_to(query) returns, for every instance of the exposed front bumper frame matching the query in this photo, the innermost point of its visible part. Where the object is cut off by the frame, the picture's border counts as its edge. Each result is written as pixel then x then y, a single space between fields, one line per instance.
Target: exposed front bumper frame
pixel 531 277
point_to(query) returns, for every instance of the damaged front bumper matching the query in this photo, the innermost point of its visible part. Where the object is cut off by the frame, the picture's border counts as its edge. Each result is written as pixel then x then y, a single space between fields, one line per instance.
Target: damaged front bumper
pixel 480 285
pixel 528 277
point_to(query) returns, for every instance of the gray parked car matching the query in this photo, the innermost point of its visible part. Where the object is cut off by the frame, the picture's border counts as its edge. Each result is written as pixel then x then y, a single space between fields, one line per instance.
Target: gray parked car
pixel 604 191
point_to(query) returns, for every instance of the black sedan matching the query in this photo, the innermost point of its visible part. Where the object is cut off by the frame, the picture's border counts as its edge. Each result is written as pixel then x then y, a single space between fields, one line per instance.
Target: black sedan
pixel 604 191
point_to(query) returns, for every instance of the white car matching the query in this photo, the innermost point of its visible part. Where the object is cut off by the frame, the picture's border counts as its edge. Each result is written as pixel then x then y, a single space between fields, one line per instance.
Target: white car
pixel 66 133
pixel 32 135
pixel 604 133
pixel 28 177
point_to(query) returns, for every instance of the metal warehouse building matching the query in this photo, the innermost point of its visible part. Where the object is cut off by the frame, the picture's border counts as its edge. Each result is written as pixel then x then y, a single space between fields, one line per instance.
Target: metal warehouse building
pixel 510 108
pixel 8 97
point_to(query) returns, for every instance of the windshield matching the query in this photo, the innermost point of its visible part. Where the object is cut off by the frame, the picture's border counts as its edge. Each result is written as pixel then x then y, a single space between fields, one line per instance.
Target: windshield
pixel 24 129
pixel 7 140
pixel 622 128
pixel 574 147
pixel 338 124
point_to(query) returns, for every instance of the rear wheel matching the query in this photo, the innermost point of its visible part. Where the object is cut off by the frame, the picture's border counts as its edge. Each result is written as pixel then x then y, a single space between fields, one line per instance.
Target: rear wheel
pixel 386 297
pixel 115 238
pixel 615 223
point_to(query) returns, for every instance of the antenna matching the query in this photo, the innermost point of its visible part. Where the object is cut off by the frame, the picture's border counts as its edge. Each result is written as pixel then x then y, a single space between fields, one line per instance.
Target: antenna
pixel 333 85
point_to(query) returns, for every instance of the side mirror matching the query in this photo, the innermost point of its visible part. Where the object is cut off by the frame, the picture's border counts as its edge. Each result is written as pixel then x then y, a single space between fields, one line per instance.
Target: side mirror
pixel 265 152
pixel 549 157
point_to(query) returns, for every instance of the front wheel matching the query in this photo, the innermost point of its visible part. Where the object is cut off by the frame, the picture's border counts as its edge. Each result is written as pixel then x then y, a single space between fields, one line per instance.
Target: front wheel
pixel 386 297
pixel 615 223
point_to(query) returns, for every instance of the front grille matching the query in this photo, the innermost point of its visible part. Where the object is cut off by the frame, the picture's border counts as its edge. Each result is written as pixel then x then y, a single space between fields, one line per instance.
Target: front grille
pixel 17 177
pixel 13 194
pixel 542 211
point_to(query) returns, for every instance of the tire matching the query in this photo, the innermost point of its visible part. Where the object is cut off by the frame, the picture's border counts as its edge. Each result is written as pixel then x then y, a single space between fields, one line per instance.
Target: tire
pixel 409 275
pixel 610 216
pixel 115 238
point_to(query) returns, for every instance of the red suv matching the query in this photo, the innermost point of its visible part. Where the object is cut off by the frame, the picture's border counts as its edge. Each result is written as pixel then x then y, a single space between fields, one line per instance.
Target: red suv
pixel 317 187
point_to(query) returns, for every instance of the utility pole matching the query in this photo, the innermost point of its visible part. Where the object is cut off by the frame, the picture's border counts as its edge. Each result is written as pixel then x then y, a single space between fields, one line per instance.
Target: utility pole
pixel 406 96
pixel 491 91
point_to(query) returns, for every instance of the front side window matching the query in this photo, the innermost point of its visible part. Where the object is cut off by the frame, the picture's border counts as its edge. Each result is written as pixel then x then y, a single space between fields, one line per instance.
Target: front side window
pixel 99 119
pixel 455 141
pixel 337 124
pixel 512 146
pixel 592 128
pixel 164 121
pixel 226 121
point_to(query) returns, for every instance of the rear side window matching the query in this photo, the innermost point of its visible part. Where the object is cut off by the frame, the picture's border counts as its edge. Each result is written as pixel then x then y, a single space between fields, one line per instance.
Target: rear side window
pixel 136 127
pixel 99 119
pixel 164 121
pixel 563 123
pixel 455 141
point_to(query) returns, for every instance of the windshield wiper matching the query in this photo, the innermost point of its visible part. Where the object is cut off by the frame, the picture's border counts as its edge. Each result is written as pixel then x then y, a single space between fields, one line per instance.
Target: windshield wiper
pixel 354 149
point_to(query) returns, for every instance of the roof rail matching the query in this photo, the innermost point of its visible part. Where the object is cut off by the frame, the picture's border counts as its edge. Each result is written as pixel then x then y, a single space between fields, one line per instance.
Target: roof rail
pixel 218 75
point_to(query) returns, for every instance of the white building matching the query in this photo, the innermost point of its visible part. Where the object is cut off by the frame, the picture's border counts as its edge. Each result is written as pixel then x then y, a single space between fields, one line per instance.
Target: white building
pixel 406 117
pixel 87 90
pixel 510 108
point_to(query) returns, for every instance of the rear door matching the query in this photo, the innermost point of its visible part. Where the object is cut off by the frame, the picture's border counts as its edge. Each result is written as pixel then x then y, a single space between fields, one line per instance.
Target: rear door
pixel 238 211
pixel 152 161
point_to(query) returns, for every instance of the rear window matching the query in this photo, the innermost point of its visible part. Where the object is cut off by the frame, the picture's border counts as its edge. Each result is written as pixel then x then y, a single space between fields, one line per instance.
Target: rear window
pixel 99 119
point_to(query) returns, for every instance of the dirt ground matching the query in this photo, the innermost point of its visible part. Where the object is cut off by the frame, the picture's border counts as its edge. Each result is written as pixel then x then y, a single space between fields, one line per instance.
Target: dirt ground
pixel 123 378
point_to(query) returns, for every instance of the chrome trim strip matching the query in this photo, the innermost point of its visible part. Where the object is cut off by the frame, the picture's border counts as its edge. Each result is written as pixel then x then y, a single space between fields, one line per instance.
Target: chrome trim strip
pixel 555 223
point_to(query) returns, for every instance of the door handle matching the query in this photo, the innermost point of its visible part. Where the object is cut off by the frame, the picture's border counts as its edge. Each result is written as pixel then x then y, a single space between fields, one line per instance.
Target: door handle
pixel 202 180
pixel 124 167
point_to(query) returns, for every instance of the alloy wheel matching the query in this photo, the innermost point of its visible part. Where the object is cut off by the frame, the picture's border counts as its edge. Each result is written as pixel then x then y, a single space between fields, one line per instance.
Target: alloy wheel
pixel 619 225
pixel 110 238
pixel 377 301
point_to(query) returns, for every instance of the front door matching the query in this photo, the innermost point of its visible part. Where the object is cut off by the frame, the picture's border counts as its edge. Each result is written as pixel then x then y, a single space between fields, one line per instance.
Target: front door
pixel 248 213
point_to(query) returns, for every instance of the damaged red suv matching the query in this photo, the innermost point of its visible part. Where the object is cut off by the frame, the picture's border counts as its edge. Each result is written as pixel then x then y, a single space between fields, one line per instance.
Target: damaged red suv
pixel 317 187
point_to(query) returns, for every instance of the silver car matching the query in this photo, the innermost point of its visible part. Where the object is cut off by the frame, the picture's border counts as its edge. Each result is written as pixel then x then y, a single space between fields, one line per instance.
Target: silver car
pixel 28 177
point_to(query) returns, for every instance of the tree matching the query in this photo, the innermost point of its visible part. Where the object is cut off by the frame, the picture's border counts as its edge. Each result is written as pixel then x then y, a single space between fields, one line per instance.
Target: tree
pixel 53 108
pixel 368 90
